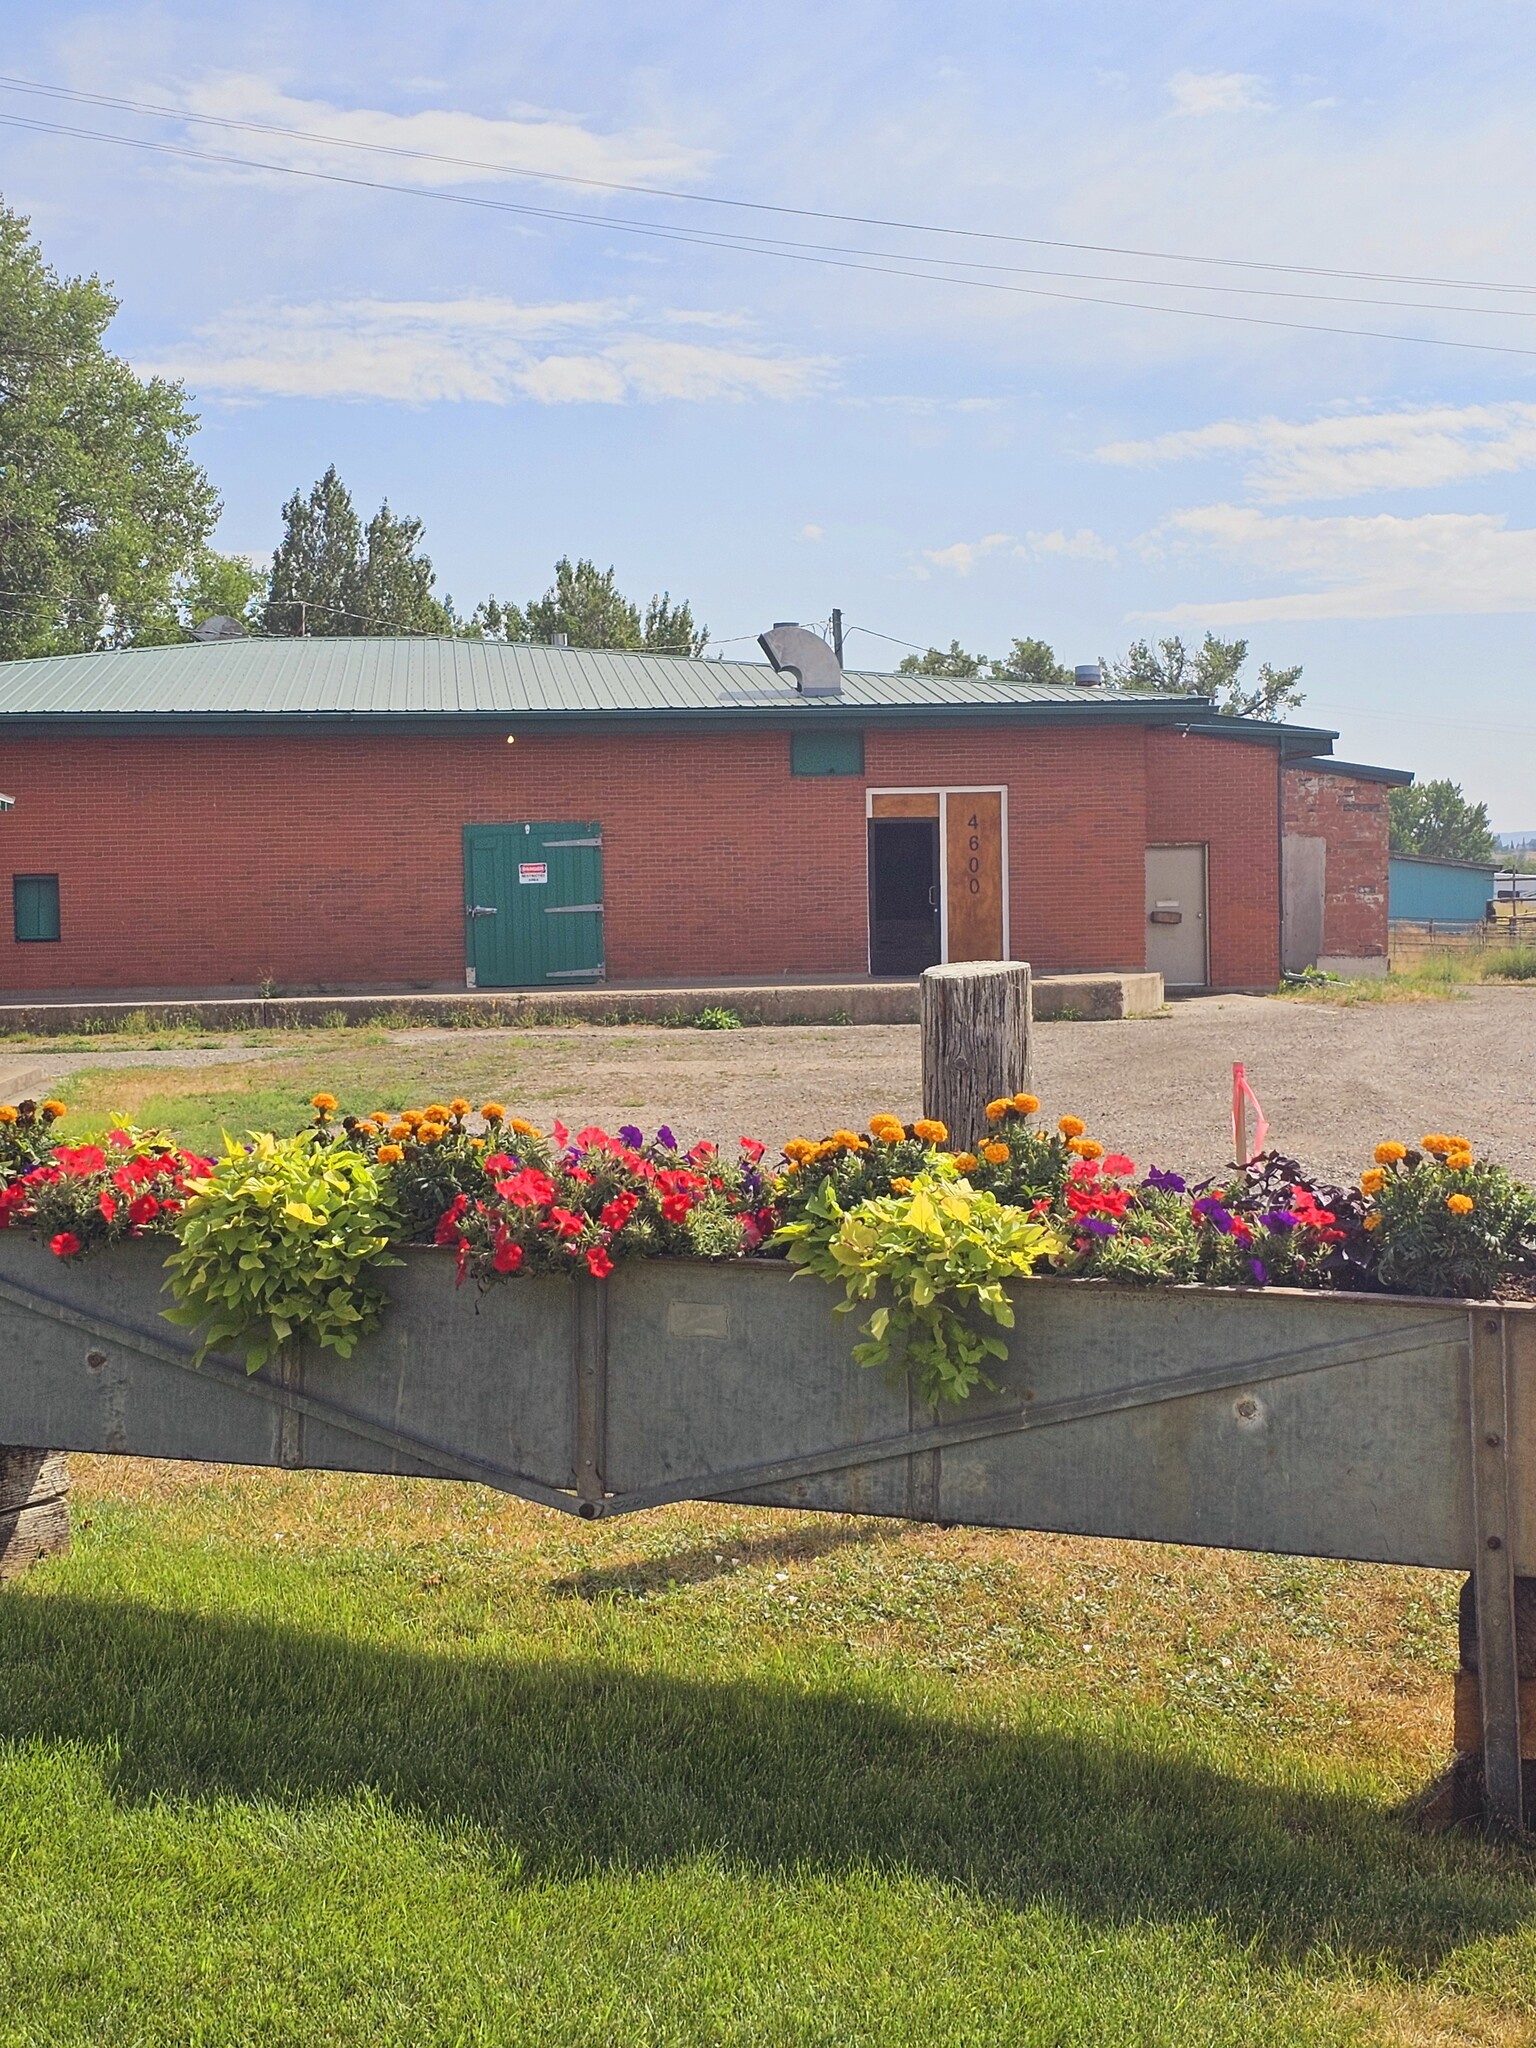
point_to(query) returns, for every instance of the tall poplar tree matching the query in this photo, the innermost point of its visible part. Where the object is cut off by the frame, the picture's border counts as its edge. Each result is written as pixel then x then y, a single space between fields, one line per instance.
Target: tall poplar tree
pixel 103 512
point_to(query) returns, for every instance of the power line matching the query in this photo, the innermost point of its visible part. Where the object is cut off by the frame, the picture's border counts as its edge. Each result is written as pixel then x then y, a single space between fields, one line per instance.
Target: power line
pixel 784 251
pixel 160 111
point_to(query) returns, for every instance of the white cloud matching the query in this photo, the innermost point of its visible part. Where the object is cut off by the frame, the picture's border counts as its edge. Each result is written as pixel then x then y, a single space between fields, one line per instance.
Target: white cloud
pixel 1217 92
pixel 1373 567
pixel 813 533
pixel 489 351
pixel 530 143
pixel 961 556
pixel 1347 455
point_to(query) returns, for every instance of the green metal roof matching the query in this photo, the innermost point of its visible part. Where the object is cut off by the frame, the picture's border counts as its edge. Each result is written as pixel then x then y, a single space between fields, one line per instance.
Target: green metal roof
pixel 234 680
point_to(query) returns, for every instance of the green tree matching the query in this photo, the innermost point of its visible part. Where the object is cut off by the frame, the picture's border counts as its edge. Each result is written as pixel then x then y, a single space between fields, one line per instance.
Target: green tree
pixel 315 564
pixel 1031 661
pixel 1210 670
pixel 334 577
pixel 1434 819
pixel 222 586
pixel 935 662
pixel 587 606
pixel 101 506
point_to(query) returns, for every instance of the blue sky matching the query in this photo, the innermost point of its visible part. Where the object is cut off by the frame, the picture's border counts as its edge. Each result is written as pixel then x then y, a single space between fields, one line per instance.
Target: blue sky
pixel 771 437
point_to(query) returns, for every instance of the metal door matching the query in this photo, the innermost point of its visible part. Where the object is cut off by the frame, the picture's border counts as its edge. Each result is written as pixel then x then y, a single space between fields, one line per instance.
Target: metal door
pixel 1176 921
pixel 533 904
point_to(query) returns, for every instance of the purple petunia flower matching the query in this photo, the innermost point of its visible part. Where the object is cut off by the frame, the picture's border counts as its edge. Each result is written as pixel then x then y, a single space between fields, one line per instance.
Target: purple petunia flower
pixel 1259 1271
pixel 632 1135
pixel 1167 1183
pixel 1279 1219
pixel 1214 1214
pixel 665 1138
pixel 1099 1227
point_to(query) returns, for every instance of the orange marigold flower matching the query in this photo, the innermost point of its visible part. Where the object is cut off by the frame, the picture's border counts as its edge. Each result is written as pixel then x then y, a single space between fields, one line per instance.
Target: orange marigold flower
pixel 996 1111
pixel 966 1162
pixel 401 1130
pixel 8 1112
pixel 1460 1205
pixel 523 1129
pixel 367 1126
pixel 390 1155
pixel 1373 1181
pixel 901 1185
pixel 382 1117
pixel 849 1141
pixel 930 1130
pixel 428 1134
pixel 1373 1221
pixel 458 1106
pixel 437 1112
pixel 1086 1148
pixel 1389 1152
pixel 799 1149
pixel 995 1152
pixel 1459 1161
pixel 1026 1105
pixel 890 1130
pixel 53 1109
pixel 1437 1143
pixel 493 1112
pixel 1071 1126
pixel 324 1103
pixel 411 1118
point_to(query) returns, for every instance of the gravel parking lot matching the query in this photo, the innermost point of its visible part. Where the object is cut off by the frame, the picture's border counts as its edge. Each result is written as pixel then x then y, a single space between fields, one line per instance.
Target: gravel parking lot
pixel 1332 1080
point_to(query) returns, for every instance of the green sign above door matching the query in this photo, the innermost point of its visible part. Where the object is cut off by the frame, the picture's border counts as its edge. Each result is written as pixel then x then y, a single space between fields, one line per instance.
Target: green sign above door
pixel 533 904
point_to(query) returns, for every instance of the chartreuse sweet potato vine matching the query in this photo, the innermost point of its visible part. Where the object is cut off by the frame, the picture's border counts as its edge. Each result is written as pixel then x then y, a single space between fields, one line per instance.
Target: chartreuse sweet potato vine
pixel 942 1252
pixel 280 1241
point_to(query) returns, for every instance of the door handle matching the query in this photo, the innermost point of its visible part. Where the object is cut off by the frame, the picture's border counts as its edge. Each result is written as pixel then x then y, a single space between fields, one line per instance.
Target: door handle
pixel 480 909
pixel 933 896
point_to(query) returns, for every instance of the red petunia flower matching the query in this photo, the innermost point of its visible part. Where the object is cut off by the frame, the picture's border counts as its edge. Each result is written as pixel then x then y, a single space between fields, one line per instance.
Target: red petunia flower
pixel 567 1222
pixel 79 1160
pixel 599 1265
pixel 1119 1164
pixel 107 1204
pixel 508 1255
pixel 675 1207
pixel 65 1245
pixel 529 1189
pixel 448 1223
pixel 753 1147
pixel 615 1214
pixel 143 1209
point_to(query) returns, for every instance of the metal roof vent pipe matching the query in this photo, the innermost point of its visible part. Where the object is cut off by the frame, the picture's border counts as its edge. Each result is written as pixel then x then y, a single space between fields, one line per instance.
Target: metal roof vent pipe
pixel 559 639
pixel 796 651
pixel 1088 675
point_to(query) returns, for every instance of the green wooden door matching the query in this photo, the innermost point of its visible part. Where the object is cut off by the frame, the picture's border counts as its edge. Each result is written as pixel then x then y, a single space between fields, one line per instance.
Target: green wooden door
pixel 533 904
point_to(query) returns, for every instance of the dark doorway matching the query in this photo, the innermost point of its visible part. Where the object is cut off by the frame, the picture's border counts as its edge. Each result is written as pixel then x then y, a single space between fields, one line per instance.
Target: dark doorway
pixel 903 895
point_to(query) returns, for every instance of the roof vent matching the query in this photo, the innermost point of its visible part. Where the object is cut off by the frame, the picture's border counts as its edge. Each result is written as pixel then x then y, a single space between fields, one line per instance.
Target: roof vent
pixel 1088 675
pixel 219 627
pixel 559 639
pixel 796 651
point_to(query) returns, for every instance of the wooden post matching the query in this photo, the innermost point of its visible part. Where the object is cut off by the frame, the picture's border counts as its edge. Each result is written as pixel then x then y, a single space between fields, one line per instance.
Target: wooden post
pixel 976 1019
pixel 34 1507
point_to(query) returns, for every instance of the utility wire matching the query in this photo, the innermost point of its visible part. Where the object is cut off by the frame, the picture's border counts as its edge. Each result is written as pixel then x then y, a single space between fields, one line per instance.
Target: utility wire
pixel 785 252
pixel 161 111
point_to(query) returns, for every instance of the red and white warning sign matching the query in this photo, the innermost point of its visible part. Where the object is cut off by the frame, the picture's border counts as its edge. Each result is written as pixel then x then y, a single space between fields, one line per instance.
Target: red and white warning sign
pixel 533 871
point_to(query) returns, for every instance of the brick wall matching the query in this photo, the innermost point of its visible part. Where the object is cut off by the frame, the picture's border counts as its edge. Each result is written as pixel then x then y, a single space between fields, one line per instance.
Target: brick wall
pixel 334 858
pixel 1350 814
pixel 1223 794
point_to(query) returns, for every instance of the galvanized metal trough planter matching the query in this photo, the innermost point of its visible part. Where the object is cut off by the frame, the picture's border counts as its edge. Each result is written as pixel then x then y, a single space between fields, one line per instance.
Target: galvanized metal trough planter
pixel 1352 1426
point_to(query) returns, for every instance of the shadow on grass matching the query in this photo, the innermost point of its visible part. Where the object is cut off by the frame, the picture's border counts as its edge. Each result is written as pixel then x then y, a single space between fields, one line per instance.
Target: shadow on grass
pixel 579 1767
pixel 697 1563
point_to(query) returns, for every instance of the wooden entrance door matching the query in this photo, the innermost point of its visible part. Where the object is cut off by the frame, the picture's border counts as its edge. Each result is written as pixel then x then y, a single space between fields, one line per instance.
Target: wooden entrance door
pixel 533 904
pixel 969 893
pixel 973 861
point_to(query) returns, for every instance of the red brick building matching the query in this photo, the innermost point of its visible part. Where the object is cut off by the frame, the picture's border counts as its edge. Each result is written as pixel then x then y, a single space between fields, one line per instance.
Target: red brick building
pixel 346 815
pixel 1334 866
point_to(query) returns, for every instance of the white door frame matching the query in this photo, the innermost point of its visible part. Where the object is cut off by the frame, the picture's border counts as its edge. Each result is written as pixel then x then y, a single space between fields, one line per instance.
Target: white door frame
pixel 1202 847
pixel 997 789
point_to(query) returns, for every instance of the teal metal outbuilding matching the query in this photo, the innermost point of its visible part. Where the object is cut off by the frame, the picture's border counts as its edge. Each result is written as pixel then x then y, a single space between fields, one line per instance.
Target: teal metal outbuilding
pixel 1421 891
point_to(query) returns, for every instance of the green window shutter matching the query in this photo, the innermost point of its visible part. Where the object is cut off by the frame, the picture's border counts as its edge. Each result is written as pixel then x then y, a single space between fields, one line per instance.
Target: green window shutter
pixel 826 753
pixel 36 902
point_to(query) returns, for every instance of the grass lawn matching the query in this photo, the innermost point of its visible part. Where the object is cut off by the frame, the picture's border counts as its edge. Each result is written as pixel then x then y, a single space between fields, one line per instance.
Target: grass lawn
pixel 295 1758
